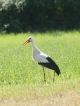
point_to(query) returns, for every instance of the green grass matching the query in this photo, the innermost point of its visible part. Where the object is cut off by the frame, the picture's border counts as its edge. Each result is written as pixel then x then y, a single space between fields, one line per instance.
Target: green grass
pixel 21 77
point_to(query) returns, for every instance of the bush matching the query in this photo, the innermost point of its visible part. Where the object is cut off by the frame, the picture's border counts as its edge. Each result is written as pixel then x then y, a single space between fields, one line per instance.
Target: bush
pixel 25 15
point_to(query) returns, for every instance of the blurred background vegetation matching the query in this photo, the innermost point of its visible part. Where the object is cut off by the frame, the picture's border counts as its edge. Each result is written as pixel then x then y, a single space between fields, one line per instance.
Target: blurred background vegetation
pixel 39 15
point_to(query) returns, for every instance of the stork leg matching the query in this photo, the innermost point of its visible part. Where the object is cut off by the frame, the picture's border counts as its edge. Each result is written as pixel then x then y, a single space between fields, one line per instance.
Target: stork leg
pixel 54 76
pixel 44 75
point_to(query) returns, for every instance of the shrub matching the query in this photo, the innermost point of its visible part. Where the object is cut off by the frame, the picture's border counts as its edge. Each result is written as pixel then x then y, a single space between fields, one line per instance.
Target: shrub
pixel 24 15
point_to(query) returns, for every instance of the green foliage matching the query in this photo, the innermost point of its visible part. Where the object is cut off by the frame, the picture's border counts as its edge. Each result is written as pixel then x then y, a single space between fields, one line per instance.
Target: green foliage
pixel 17 67
pixel 25 15
pixel 21 79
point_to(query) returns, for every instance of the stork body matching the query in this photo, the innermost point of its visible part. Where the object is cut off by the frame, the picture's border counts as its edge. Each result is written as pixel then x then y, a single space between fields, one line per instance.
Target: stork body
pixel 43 59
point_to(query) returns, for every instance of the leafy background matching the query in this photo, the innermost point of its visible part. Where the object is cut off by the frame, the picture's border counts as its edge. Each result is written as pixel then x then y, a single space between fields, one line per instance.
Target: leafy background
pixel 39 15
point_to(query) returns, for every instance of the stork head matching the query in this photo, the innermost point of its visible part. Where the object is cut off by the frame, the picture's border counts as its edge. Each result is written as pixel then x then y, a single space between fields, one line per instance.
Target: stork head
pixel 30 39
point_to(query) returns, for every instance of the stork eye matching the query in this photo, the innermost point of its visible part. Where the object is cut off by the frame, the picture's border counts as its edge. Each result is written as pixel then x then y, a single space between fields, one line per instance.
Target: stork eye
pixel 29 38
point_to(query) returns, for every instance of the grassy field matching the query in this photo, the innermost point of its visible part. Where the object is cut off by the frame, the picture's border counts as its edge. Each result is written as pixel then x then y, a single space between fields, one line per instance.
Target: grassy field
pixel 21 78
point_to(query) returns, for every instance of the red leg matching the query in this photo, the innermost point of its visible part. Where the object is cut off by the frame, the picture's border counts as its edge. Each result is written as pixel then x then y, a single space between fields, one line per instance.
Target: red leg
pixel 44 75
pixel 54 76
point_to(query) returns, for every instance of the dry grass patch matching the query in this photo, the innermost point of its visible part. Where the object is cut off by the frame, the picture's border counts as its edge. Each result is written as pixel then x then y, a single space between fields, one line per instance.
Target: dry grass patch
pixel 69 98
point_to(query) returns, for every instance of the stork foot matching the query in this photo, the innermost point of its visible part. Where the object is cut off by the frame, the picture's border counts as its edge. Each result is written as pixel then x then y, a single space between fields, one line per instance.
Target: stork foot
pixel 53 79
pixel 45 81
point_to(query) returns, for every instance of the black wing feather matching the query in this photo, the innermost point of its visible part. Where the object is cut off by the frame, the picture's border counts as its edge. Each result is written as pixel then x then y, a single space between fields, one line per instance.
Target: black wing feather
pixel 51 65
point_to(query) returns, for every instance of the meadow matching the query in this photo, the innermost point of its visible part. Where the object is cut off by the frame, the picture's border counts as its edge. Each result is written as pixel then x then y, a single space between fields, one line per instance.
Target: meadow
pixel 21 78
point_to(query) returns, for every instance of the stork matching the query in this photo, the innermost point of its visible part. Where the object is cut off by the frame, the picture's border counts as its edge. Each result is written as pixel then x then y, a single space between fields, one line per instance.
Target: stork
pixel 43 59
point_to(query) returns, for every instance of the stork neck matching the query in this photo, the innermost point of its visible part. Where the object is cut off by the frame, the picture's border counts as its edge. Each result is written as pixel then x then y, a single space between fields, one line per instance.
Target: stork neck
pixel 34 46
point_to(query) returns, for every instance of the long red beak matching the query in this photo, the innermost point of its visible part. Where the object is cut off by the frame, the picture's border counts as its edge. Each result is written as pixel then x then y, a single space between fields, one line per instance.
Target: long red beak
pixel 26 42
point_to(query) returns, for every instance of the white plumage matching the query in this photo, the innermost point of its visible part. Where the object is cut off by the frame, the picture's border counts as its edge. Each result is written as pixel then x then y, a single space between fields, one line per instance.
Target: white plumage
pixel 42 59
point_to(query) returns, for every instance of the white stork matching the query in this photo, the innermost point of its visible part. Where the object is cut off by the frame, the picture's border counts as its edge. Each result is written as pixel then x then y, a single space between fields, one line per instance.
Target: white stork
pixel 43 59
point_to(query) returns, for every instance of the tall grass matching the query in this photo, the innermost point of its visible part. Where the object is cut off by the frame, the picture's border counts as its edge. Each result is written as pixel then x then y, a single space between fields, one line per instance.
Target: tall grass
pixel 18 68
